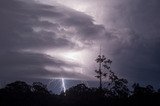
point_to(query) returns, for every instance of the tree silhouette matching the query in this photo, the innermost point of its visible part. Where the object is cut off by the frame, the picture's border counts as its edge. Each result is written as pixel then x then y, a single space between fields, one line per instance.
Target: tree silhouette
pixel 78 90
pixel 142 91
pixel 117 86
pixel 39 88
pixel 102 61
pixel 18 87
pixel 21 94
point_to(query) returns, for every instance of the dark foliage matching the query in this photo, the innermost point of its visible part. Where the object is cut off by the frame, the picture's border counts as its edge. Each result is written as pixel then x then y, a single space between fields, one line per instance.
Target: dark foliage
pixel 117 86
pixel 21 94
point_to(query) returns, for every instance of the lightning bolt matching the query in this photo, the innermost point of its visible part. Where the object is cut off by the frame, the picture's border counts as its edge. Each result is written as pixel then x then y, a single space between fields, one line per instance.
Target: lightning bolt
pixel 63 85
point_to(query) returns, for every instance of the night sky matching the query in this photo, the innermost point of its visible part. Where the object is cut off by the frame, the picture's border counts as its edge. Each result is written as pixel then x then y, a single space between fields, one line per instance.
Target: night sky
pixel 46 40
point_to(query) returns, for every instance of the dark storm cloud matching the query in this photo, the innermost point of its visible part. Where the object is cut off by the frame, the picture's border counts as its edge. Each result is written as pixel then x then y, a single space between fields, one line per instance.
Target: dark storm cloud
pixel 20 65
pixel 27 25
pixel 17 24
pixel 17 20
pixel 136 48
pixel 85 27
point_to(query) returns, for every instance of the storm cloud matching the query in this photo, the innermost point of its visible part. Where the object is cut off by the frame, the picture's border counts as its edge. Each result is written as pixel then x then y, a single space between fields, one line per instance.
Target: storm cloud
pixel 128 31
pixel 29 28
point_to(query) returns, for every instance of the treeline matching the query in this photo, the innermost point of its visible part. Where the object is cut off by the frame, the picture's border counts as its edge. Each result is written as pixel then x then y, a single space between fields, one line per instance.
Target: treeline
pixel 117 93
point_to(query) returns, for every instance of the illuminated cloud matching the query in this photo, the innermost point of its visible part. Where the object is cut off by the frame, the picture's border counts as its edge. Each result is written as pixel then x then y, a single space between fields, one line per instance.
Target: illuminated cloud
pixel 39 40
pixel 51 38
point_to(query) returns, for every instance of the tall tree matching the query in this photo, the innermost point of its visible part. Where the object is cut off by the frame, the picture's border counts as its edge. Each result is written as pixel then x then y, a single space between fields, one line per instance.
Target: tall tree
pixel 102 61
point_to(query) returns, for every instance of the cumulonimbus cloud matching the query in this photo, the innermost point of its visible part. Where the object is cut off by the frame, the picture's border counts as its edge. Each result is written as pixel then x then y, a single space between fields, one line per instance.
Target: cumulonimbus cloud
pixel 29 26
